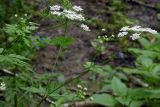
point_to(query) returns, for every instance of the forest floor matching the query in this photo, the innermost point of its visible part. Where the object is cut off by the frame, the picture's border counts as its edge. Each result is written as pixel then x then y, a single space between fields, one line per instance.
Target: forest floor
pixel 81 50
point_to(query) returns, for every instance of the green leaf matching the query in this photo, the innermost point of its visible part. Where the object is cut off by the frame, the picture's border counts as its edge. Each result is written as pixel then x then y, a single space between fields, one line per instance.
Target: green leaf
pixel 10 29
pixel 27 41
pixel 124 100
pixel 156 69
pixel 104 99
pixel 13 60
pixel 34 89
pixel 136 103
pixel 145 61
pixel 147 53
pixel 18 57
pixel 138 93
pixel 119 87
pixel 145 43
pixel 1 50
pixel 154 93
pixel 62 41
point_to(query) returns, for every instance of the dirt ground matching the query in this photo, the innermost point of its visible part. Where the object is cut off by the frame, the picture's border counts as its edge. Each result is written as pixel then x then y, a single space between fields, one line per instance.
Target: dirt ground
pixel 81 50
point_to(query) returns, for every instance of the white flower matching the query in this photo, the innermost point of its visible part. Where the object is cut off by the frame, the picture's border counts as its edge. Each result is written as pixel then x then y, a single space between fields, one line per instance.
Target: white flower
pixel 103 29
pixel 79 86
pixel 113 36
pixel 56 13
pixel 124 28
pixel 2 86
pixel 135 36
pixel 91 98
pixel 151 31
pixel 55 8
pixel 138 29
pixel 85 27
pixel 73 15
pixel 77 8
pixel 121 34
pixel 85 89
pixel 105 36
pixel 16 15
pixel 25 14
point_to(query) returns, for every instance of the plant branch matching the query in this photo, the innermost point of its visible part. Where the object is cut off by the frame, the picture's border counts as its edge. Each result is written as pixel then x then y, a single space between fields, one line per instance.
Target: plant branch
pixel 144 5
pixel 62 85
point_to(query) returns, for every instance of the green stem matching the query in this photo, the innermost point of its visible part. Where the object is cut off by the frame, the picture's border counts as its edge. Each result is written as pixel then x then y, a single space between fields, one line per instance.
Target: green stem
pixel 15 101
pixel 15 96
pixel 65 26
pixel 60 48
pixel 11 43
pixel 58 55
pixel 54 66
pixel 62 85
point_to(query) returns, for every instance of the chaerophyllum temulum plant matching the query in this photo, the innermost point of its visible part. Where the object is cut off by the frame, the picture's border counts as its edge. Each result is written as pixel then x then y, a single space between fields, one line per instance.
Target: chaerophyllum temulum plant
pixel 133 86
pixel 21 86
pixel 66 15
pixel 20 80
pixel 21 83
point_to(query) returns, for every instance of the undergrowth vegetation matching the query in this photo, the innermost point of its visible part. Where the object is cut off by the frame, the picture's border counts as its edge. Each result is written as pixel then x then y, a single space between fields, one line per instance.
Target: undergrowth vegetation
pixel 133 85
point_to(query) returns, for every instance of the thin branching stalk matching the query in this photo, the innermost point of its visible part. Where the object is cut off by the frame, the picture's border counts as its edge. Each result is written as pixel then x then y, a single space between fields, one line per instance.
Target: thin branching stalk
pixel 57 57
pixel 54 66
pixel 15 87
pixel 62 85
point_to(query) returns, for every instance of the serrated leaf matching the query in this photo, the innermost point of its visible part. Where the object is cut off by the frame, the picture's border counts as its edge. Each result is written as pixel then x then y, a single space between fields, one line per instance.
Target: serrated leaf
pixel 18 56
pixel 27 42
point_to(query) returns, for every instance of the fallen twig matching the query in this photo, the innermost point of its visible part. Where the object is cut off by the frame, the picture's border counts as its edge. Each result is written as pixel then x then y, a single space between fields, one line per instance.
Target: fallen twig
pixel 138 81
pixel 5 72
pixel 86 103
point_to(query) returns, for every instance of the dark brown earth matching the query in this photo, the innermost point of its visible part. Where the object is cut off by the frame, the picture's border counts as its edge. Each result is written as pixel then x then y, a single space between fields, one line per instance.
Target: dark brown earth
pixel 81 50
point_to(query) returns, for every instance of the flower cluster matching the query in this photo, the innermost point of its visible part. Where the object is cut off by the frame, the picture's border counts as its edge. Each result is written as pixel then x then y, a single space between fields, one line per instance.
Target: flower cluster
pixel 137 31
pixel 81 92
pixel 70 14
pixel 55 8
pixel 103 29
pixel 77 8
pixel 121 34
pixel 135 36
pixel 85 27
pixel 2 86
